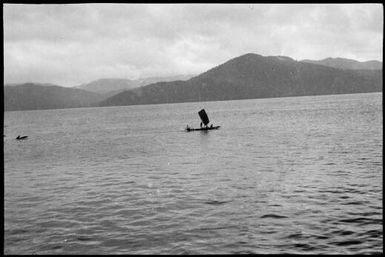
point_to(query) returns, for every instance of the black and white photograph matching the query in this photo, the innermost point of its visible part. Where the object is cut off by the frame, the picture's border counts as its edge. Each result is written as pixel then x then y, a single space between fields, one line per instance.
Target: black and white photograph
pixel 192 128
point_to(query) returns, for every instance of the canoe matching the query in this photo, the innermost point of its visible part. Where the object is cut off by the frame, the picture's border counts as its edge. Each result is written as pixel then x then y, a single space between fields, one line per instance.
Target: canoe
pixel 204 128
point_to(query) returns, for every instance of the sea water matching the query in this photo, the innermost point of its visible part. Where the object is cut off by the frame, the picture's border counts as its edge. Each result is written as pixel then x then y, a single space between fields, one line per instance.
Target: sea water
pixel 281 175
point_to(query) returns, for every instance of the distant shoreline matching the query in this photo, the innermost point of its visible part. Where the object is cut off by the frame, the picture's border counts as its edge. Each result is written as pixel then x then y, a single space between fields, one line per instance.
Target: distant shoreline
pixel 85 107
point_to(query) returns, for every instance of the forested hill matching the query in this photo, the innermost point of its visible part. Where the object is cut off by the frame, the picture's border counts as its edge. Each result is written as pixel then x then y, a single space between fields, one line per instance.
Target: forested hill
pixel 255 76
pixel 31 96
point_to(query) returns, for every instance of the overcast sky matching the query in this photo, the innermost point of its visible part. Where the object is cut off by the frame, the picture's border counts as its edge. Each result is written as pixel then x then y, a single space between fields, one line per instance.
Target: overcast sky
pixel 72 44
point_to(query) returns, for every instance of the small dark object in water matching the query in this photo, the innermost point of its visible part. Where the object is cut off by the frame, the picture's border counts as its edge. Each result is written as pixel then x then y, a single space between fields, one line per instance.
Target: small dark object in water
pixel 20 138
pixel 215 202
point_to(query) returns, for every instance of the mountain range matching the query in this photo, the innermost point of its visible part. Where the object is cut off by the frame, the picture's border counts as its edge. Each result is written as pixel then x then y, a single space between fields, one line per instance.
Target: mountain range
pixel 244 77
pixel 255 76
pixel 347 64
pixel 30 96
pixel 113 86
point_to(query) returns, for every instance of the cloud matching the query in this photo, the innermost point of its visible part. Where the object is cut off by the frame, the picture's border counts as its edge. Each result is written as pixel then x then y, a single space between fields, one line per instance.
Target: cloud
pixel 70 44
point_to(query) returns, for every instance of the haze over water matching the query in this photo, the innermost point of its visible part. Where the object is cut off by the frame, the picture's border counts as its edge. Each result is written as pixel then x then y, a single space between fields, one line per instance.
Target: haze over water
pixel 281 175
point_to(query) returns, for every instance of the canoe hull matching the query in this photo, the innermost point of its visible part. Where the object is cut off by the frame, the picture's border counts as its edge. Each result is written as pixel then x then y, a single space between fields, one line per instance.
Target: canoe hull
pixel 202 129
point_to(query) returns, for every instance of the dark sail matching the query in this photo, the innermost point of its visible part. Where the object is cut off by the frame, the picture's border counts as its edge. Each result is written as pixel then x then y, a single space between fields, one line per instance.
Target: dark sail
pixel 204 117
